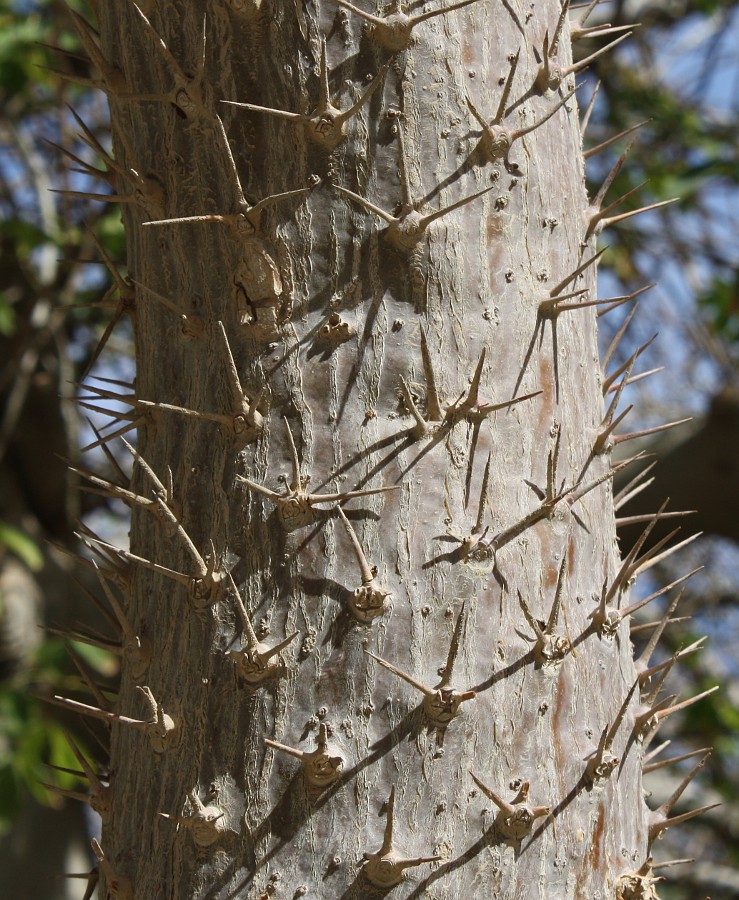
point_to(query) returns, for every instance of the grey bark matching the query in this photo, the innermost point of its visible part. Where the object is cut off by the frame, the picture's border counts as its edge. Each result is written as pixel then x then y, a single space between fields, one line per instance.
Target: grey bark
pixel 473 283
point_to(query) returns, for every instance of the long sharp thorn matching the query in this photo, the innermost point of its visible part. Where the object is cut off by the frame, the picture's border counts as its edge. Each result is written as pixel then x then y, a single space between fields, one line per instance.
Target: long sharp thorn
pixel 502 804
pixel 664 713
pixel 643 661
pixel 365 568
pixel 638 520
pixel 582 63
pixel 638 604
pixel 634 378
pixel 617 337
pixel 651 767
pixel 295 483
pixel 534 625
pixel 375 20
pixel 87 677
pixel 589 111
pixel 185 538
pixel 281 113
pixel 554 45
pixel 671 862
pixel 613 731
pixel 418 685
pixel 609 380
pixel 659 827
pixel 620 438
pixel 676 657
pixel 370 207
pixel 411 405
pixel 646 626
pixel 625 298
pixel 366 96
pixel 612 140
pixel 422 17
pixel 635 212
pixel 608 181
pixel 237 393
pixel 644 564
pixel 606 29
pixel 628 491
pixel 451 658
pixel 433 403
pixel 432 217
pixel 521 132
pixel 483 495
pixel 554 614
pixel 578 271
pixel 503 103
pixel 387 837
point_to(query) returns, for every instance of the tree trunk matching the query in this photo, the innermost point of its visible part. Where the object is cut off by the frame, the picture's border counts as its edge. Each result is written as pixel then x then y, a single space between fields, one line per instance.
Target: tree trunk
pixel 357 337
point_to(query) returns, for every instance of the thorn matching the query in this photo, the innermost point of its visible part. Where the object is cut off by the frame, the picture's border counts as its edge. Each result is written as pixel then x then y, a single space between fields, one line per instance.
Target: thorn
pixel 87 677
pixel 648 560
pixel 599 31
pixel 433 404
pixel 551 648
pixel 642 663
pixel 137 649
pixel 422 427
pixel 624 298
pixel 119 886
pixel 652 767
pixel 611 220
pixel 160 728
pixel 440 704
pixel 589 112
pixel 385 868
pixel 393 30
pixel 294 505
pixel 612 140
pixel 471 406
pixel 610 379
pixel 516 819
pixel 550 76
pixel 602 762
pixel 206 823
pixel 620 438
pixel 256 663
pixel 627 566
pixel 321 767
pixel 658 828
pixel 498 138
pixel 573 276
pixel 646 626
pixel 368 601
pixel 326 125
pixel 629 491
pixel 111 78
pixel 647 723
pixel 638 604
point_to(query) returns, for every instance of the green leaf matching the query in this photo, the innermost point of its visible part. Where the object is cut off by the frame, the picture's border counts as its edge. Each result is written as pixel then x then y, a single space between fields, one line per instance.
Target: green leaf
pixel 24 547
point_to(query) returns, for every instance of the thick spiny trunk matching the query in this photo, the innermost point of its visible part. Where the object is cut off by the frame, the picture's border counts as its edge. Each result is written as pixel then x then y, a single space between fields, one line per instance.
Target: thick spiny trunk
pixel 474 282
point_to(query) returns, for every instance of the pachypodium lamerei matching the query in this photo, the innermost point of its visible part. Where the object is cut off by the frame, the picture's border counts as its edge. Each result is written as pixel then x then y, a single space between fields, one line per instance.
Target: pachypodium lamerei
pixel 296 308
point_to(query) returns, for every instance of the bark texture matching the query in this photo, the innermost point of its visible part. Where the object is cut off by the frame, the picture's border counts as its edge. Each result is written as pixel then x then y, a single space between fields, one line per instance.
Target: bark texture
pixel 326 308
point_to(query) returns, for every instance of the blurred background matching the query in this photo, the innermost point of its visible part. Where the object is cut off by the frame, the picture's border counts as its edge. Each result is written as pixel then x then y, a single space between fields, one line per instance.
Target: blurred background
pixel 63 299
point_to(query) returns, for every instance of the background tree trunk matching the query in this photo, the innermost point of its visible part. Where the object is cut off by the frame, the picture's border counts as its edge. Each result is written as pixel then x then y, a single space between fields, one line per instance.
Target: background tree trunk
pixel 474 282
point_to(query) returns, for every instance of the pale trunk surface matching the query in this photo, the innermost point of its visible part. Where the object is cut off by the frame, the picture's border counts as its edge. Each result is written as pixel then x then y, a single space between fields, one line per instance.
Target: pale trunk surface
pixel 473 282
